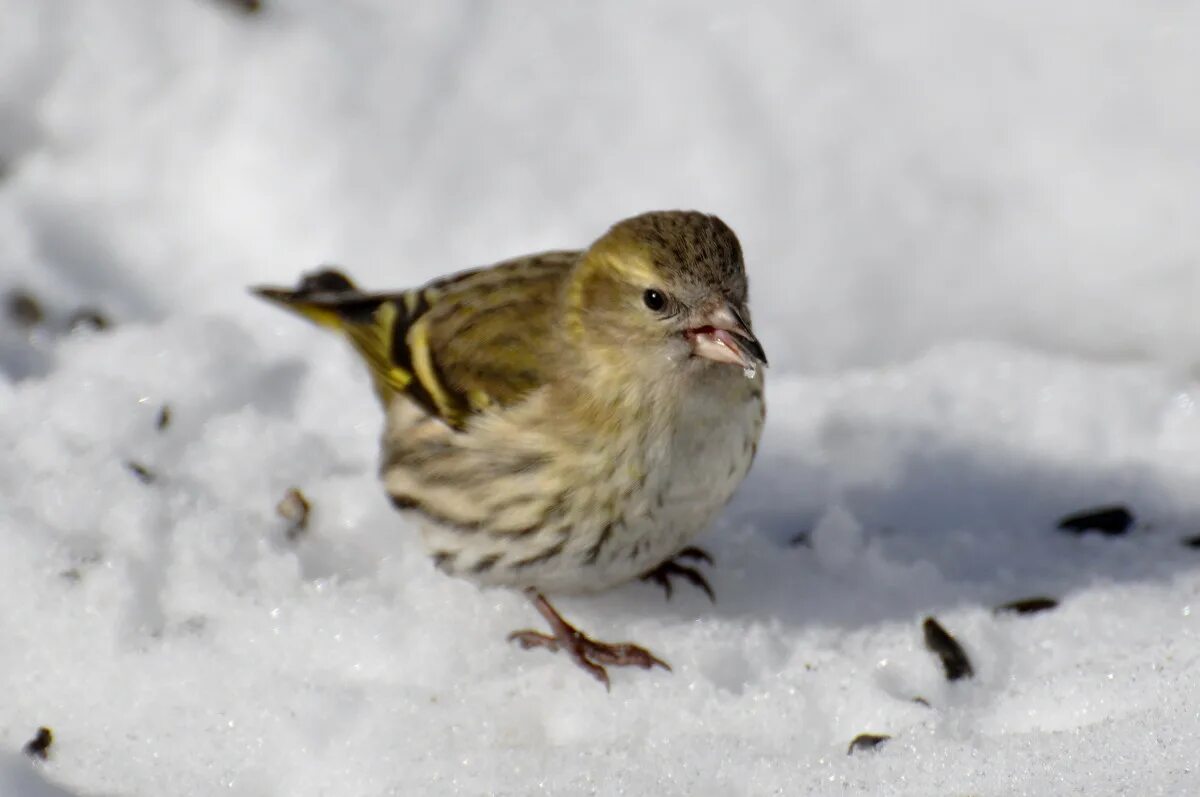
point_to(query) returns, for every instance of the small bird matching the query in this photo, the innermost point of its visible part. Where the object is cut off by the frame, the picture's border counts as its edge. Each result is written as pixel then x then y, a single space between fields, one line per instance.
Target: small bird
pixel 568 421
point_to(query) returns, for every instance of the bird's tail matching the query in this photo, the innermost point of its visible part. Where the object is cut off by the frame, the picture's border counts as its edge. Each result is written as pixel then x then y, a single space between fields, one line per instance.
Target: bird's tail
pixel 374 324
pixel 326 297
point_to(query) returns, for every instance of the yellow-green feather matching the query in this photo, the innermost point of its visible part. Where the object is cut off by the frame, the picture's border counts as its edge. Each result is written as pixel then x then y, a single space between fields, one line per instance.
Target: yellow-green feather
pixel 459 345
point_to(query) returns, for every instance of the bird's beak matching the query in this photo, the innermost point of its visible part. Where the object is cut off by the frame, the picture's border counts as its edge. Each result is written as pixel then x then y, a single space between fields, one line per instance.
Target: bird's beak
pixel 724 337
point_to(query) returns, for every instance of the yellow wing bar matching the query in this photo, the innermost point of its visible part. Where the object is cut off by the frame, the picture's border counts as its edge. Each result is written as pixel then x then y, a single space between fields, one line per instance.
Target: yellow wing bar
pixel 387 332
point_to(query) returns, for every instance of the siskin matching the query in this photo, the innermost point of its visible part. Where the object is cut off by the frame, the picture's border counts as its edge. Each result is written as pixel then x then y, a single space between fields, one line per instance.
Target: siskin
pixel 564 422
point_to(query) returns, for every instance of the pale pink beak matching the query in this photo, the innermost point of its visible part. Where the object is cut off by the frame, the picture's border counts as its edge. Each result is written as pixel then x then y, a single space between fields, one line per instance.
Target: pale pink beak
pixel 725 338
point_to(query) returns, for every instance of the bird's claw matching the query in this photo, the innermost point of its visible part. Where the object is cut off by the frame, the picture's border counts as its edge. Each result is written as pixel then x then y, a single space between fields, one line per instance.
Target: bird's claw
pixel 692 552
pixel 662 574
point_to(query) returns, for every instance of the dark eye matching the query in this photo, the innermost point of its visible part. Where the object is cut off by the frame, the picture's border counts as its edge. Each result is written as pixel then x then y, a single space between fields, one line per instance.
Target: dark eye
pixel 654 299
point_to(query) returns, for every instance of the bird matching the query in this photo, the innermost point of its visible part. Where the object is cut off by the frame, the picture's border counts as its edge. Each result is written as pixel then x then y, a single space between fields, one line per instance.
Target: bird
pixel 564 422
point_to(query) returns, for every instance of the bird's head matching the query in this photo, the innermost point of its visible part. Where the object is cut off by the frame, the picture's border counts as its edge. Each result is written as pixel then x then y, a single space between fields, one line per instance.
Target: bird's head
pixel 666 288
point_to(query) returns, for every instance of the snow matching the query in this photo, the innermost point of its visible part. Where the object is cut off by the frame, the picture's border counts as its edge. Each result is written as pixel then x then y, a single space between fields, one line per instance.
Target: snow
pixel 975 268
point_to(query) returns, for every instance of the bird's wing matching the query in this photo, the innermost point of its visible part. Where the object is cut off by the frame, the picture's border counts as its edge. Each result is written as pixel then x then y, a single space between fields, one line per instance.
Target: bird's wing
pixel 456 346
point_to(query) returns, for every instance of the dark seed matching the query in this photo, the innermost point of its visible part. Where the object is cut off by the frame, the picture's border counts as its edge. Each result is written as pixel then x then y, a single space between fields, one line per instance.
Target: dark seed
pixel 865 742
pixel 1027 606
pixel 144 474
pixel 83 563
pixel 164 417
pixel 801 540
pixel 920 701
pixel 24 310
pixel 245 6
pixel 88 318
pixel 1108 520
pixel 1192 542
pixel 295 509
pixel 39 745
pixel 954 658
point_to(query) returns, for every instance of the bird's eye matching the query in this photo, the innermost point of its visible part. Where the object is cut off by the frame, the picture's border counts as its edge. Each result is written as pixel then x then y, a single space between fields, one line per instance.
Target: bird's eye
pixel 654 299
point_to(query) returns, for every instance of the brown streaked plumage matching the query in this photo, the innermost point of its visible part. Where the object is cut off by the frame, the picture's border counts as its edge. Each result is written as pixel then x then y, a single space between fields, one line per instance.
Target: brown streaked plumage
pixel 567 421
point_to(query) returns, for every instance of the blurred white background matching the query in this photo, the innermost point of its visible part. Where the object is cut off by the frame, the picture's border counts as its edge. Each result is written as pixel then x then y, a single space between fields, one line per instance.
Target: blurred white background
pixel 975 265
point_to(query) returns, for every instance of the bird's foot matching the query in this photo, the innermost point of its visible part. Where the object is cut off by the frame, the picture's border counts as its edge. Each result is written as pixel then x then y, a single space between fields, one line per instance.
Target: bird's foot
pixel 662 574
pixel 588 653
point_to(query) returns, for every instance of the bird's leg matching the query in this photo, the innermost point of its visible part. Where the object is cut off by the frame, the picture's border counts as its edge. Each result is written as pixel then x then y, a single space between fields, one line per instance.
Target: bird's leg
pixel 588 653
pixel 661 575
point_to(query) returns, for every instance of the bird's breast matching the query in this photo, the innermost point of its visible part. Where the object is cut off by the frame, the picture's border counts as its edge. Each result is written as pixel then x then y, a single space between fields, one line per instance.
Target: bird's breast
pixel 651 496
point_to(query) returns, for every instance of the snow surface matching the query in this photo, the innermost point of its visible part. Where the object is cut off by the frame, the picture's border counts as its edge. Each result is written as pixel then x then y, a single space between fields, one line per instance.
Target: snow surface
pixel 971 230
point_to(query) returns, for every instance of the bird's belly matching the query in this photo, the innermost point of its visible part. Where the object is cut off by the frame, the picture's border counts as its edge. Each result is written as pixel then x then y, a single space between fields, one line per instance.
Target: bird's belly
pixel 607 537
